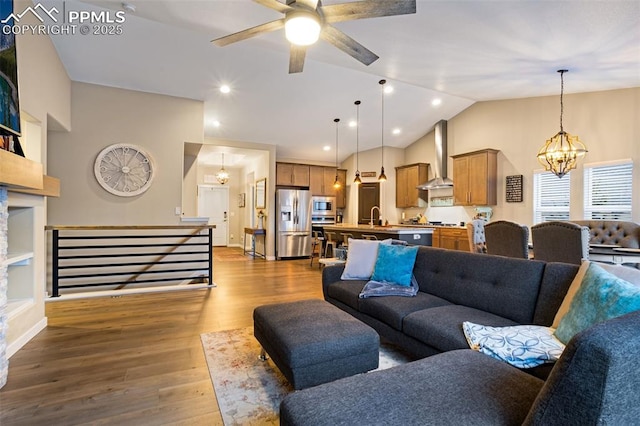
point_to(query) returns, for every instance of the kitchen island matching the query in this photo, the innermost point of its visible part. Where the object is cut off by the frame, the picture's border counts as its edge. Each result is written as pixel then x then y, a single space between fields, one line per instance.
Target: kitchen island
pixel 412 235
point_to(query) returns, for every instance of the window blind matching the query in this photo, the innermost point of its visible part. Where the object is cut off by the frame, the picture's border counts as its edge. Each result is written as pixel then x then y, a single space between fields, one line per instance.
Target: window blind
pixel 551 197
pixel 608 191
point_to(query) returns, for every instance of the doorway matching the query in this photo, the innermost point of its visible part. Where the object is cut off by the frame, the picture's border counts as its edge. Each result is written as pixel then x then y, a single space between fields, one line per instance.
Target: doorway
pixel 368 196
pixel 213 202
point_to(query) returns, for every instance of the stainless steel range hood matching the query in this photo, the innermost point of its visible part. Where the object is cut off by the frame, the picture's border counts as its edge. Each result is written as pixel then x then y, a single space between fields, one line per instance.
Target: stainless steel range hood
pixel 440 167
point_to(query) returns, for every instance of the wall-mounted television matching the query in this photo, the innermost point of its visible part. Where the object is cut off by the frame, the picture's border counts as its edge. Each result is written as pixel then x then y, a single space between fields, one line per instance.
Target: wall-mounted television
pixel 9 101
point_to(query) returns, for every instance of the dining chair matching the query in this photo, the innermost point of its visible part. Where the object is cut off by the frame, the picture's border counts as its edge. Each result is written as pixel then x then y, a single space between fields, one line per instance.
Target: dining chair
pixel 506 238
pixel 560 242
pixel 476 235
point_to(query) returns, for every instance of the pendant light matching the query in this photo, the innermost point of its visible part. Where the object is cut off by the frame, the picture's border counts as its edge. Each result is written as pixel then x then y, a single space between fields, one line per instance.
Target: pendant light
pixel 222 176
pixel 357 180
pixel 336 183
pixel 560 154
pixel 382 177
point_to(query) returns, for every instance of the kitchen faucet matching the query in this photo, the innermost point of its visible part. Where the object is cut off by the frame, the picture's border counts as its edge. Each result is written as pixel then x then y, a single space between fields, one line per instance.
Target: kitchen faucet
pixel 372 209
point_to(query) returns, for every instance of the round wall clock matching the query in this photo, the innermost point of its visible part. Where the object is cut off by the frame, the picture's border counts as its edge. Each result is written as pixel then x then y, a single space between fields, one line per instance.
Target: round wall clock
pixel 124 170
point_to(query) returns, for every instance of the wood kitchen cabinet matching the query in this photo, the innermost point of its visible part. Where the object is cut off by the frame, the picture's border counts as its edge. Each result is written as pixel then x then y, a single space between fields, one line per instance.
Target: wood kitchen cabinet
pixel 321 180
pixel 407 179
pixel 451 238
pixel 475 178
pixel 289 174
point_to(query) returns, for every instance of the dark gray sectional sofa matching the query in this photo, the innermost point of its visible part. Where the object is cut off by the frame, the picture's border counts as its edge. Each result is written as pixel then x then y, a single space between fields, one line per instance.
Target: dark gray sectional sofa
pixel 594 382
pixel 457 286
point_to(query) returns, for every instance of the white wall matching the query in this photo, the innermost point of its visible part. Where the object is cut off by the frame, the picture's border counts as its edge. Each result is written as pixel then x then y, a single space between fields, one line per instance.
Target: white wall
pixel 101 116
pixel 607 122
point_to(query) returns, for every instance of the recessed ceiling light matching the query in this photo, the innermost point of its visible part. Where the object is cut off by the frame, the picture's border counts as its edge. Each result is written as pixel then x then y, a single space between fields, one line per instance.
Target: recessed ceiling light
pixel 388 89
pixel 353 123
pixel 225 88
pixel 215 123
pixel 326 148
pixel 436 102
pixel 396 131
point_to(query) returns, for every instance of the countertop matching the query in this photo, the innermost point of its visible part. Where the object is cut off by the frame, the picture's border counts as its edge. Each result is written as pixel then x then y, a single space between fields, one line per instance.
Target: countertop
pixel 431 226
pixel 391 229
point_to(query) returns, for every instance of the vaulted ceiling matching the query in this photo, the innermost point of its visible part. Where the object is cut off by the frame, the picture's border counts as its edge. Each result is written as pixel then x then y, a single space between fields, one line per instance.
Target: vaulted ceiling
pixel 459 52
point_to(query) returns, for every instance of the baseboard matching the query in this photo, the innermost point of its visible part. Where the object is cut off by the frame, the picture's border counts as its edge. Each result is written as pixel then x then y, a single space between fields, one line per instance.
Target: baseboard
pixel 17 344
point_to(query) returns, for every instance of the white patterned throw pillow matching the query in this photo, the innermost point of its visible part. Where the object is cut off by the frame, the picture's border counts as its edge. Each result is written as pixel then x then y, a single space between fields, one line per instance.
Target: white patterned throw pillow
pixel 523 346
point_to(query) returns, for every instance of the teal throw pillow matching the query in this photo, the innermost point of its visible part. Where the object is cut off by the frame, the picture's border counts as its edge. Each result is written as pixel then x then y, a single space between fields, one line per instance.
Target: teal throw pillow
pixel 601 296
pixel 395 264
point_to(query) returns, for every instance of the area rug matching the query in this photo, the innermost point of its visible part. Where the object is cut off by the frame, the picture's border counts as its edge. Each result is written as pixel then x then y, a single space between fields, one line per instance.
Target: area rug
pixel 248 390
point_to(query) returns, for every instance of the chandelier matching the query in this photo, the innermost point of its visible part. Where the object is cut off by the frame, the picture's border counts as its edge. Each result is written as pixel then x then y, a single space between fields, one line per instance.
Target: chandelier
pixel 560 154
pixel 222 176
pixel 357 180
pixel 382 177
pixel 336 183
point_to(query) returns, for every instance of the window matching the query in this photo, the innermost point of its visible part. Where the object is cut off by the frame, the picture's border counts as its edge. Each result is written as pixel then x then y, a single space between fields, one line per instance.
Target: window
pixel 551 196
pixel 607 191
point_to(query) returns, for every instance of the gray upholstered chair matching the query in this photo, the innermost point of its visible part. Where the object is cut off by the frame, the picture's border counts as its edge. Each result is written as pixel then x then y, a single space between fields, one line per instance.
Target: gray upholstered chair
pixel 506 238
pixel 475 232
pixel 560 242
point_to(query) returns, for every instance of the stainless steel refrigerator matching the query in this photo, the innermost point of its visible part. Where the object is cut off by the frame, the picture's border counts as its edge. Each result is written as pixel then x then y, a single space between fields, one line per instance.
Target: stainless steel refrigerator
pixel 293 223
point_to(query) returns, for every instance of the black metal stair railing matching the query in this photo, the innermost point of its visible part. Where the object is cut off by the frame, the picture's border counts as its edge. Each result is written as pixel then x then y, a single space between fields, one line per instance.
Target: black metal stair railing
pixel 118 257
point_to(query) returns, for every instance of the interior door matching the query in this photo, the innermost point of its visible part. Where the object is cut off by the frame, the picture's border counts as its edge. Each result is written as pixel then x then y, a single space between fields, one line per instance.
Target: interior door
pixel 213 202
pixel 368 196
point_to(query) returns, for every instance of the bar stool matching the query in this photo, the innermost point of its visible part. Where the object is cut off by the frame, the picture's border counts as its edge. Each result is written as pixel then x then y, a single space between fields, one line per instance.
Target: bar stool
pixel 330 242
pixel 316 246
pixel 369 237
pixel 345 238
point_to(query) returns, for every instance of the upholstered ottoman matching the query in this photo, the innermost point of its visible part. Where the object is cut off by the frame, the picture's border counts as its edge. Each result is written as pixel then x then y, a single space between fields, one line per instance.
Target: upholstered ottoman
pixel 313 342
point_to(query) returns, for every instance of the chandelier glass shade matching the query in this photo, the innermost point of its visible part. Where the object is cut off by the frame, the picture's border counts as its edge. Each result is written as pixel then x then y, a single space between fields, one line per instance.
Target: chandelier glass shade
pixel 222 176
pixel 560 153
pixel 302 28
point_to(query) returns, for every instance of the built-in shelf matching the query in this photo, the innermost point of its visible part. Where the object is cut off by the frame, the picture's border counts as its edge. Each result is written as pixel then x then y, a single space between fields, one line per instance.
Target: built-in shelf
pixel 18 259
pixel 15 307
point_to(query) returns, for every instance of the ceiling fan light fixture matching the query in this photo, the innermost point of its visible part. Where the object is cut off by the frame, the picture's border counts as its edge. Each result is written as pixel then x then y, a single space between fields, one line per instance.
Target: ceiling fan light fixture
pixel 302 28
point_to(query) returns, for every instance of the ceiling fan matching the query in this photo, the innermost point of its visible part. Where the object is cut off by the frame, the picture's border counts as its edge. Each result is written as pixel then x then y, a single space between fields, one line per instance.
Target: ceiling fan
pixel 307 20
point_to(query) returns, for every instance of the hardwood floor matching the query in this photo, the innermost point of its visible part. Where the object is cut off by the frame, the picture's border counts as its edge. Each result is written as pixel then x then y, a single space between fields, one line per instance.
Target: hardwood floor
pixel 137 359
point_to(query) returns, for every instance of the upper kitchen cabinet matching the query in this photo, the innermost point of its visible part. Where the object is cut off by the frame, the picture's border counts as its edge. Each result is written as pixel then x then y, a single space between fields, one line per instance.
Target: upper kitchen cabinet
pixel 289 174
pixel 407 179
pixel 475 178
pixel 321 180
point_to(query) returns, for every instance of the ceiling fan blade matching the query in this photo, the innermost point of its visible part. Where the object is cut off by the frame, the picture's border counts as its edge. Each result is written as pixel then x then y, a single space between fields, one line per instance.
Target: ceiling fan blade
pixel 248 33
pixel 311 4
pixel 296 58
pixel 275 5
pixel 367 9
pixel 348 45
